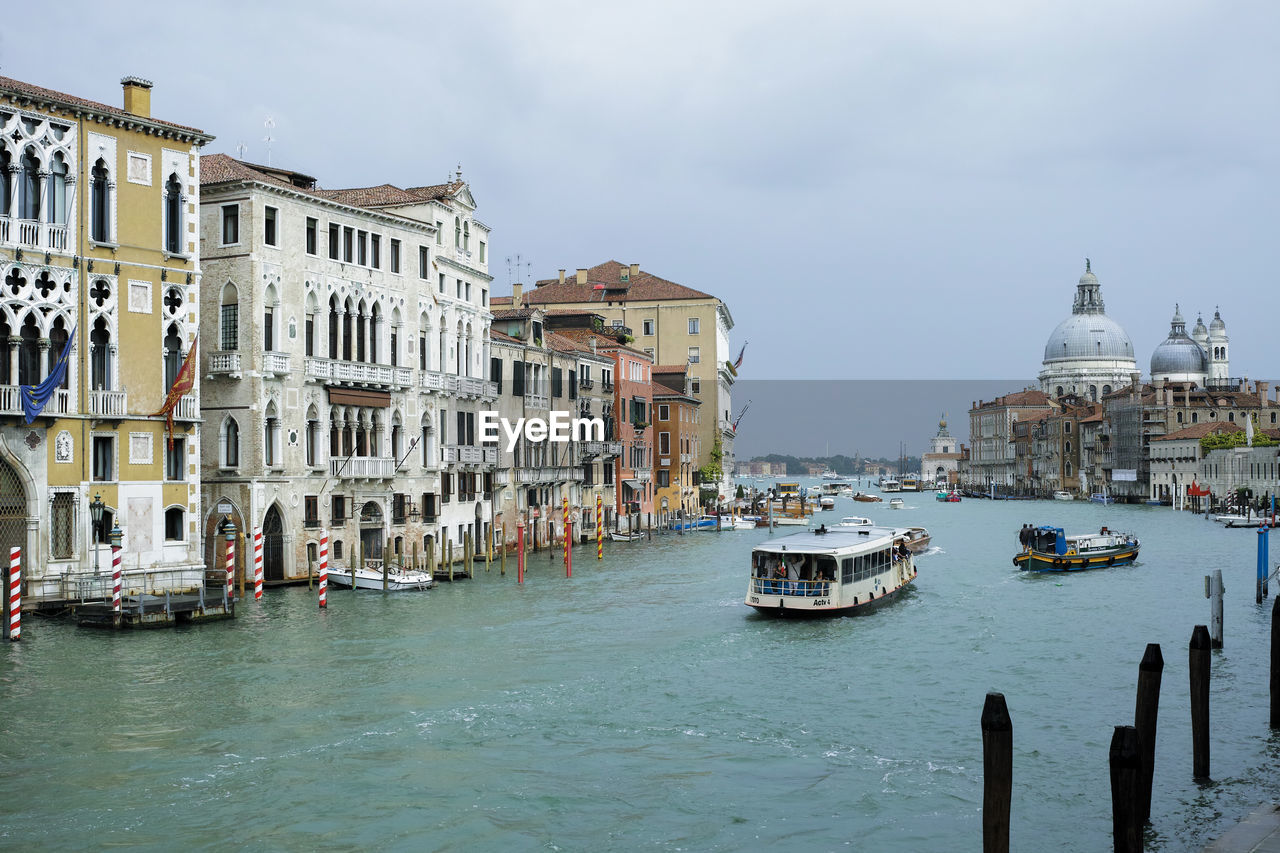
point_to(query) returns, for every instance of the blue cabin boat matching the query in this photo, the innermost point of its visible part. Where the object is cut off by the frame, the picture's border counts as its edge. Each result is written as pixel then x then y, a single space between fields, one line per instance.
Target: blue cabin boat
pixel 1048 549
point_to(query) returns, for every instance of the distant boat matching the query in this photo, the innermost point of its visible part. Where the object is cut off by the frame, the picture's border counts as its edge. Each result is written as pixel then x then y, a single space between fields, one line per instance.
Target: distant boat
pixel 855 521
pixel 1063 496
pixel 827 502
pixel 867 498
pixel 618 536
pixel 896 503
pixel 1101 498
pixel 947 497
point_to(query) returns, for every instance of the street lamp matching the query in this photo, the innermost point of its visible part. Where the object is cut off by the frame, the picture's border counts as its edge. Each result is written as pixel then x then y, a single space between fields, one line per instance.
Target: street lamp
pixel 96 508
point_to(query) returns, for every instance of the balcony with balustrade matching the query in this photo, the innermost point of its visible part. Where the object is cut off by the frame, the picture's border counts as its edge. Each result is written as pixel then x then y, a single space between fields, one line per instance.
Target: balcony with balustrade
pixel 469 455
pixel 354 373
pixel 363 468
pixel 549 474
pixel 11 402
pixel 188 408
pixel 537 401
pixel 224 363
pixel 108 404
pixel 275 364
pixel 33 234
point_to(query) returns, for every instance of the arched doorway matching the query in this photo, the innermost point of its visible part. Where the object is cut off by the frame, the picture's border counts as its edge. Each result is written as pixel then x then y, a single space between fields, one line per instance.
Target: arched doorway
pixel 273 545
pixel 13 518
pixel 215 560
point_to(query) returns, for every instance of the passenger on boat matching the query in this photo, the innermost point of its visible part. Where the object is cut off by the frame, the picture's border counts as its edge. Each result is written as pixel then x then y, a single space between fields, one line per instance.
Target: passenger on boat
pixel 793 573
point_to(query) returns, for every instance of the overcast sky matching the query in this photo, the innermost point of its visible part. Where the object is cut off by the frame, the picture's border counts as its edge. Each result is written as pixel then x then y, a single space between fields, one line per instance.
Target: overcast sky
pixel 877 189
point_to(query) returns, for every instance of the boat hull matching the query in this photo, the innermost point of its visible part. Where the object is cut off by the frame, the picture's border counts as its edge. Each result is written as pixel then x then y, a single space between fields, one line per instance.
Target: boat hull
pixel 1039 561
pixel 396 582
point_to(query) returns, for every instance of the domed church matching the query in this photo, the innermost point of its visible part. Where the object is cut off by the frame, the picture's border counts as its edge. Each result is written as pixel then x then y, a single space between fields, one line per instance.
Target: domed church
pixel 1088 354
pixel 1199 358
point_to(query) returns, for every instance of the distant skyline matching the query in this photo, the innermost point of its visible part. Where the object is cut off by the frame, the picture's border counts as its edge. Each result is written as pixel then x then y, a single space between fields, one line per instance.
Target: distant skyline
pixel 903 190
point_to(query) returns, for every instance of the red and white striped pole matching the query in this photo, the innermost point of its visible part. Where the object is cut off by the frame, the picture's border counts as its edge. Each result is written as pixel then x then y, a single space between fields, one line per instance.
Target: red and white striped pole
pixel 599 526
pixel 568 558
pixel 324 569
pixel 231 568
pixel 116 553
pixel 15 594
pixel 257 563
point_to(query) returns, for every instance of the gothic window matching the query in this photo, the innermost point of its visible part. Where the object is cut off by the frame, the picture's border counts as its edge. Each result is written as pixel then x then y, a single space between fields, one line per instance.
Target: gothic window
pixel 271 438
pixel 100 356
pixel 29 353
pixel 58 190
pixel 29 186
pixel 173 215
pixel 230 441
pixel 333 328
pixel 57 343
pixel 466 235
pixel 175 458
pixel 313 437
pixel 99 213
pixel 310 334
pixel 172 355
pixel 6 199
pixel 457 232
pixel 230 318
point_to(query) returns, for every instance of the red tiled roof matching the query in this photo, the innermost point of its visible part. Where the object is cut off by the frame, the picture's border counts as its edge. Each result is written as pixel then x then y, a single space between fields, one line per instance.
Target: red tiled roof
pixel 40 93
pixel 1199 431
pixel 1030 397
pixel 499 300
pixel 641 287
pixel 604 342
pixel 670 368
pixel 513 314
pixel 220 169
pixel 435 191
pixel 379 196
pixel 494 334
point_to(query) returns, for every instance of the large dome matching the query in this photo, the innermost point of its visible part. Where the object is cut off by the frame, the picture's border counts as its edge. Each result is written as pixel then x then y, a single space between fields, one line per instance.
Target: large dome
pixel 1179 358
pixel 1088 337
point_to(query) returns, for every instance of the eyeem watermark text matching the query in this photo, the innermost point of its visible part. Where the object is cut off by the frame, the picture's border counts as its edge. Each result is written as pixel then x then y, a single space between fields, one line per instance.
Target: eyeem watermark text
pixel 561 428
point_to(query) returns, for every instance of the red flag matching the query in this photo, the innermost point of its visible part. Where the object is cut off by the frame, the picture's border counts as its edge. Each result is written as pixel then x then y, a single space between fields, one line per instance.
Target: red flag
pixel 182 384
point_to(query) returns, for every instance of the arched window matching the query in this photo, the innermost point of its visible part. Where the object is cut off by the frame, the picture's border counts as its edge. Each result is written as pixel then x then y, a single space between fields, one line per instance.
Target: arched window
pixel 466 235
pixel 6 198
pixel 271 438
pixel 313 437
pixel 1093 393
pixel 1068 449
pixel 230 441
pixel 346 331
pixel 229 318
pixel 175 524
pixel 1195 416
pixel 172 355
pixel 1179 417
pixel 29 353
pixel 1059 391
pixel 173 215
pixel 57 343
pixel 1068 467
pixel 99 213
pixel 58 190
pixel 1066 427
pixel 100 356
pixel 333 327
pixel 29 186
pixel 441 366
pixel 374 319
pixel 1106 389
pixel 360 334
pixel 457 231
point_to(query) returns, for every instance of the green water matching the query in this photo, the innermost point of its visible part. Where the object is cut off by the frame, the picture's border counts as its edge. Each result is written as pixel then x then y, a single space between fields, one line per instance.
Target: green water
pixel 641 706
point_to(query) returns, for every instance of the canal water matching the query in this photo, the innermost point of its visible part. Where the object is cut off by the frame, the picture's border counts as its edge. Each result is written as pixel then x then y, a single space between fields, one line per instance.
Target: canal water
pixel 641 705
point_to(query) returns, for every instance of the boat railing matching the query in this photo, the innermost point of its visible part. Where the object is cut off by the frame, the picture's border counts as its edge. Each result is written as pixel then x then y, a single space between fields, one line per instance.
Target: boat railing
pixel 798 588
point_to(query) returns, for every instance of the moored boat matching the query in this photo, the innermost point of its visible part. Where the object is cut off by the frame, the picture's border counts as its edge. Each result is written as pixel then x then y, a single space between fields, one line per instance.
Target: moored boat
pixel 370 577
pixel 830 571
pixel 827 502
pixel 947 497
pixel 1060 495
pixel 740 523
pixel 1048 549
pixel 1101 498
pixel 619 536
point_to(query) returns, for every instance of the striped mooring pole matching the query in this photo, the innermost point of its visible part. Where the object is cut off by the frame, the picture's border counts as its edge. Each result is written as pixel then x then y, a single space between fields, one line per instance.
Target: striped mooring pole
pixel 231 570
pixel 15 594
pixel 116 554
pixel 568 559
pixel 324 570
pixel 257 563
pixel 599 526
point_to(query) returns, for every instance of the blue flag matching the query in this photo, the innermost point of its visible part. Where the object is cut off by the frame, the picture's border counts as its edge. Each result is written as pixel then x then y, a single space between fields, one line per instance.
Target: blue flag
pixel 34 397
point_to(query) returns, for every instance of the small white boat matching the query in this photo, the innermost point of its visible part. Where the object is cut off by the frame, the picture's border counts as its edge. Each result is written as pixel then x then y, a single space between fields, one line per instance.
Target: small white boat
pixel 370 577
pixel 827 502
pixel 896 503
pixel 741 523
pixel 855 521
pixel 1063 496
pixel 1233 520
pixel 618 536
pixel 791 521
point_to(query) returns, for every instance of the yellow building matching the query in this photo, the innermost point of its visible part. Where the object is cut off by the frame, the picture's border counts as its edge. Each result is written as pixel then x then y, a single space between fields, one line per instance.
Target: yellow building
pixel 676 423
pixel 98 245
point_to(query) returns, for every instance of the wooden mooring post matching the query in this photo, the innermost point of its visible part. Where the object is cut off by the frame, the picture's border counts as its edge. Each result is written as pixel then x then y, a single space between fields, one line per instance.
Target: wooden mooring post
pixel 1263 562
pixel 386 561
pixel 449 559
pixel 1198 667
pixel 431 555
pixel 354 565
pixel 1213 590
pixel 1275 664
pixel 1145 715
pixel 997 773
pixel 1126 773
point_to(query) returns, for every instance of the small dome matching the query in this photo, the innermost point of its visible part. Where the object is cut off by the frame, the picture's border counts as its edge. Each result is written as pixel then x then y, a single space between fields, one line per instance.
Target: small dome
pixel 1216 326
pixel 1088 278
pixel 1179 359
pixel 1089 337
pixel 1199 329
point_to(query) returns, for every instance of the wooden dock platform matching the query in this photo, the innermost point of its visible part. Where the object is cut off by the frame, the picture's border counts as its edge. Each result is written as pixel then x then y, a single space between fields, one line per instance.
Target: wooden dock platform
pixel 154 611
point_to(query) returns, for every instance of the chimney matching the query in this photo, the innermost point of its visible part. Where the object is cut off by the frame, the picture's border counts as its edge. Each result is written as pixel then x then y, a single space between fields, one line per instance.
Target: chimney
pixel 1263 387
pixel 593 346
pixel 562 276
pixel 137 96
pixel 635 270
pixel 517 295
pixel 582 276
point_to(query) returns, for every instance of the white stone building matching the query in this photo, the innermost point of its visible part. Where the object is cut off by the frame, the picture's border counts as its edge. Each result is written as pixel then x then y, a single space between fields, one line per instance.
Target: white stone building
pixel 346 347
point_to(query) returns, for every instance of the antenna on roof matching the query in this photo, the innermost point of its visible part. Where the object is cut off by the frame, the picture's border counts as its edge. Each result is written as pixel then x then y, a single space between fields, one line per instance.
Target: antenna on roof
pixel 268 124
pixel 240 149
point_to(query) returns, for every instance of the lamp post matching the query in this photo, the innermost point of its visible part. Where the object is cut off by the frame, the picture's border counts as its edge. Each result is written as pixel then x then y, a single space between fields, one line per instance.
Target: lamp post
pixel 96 508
